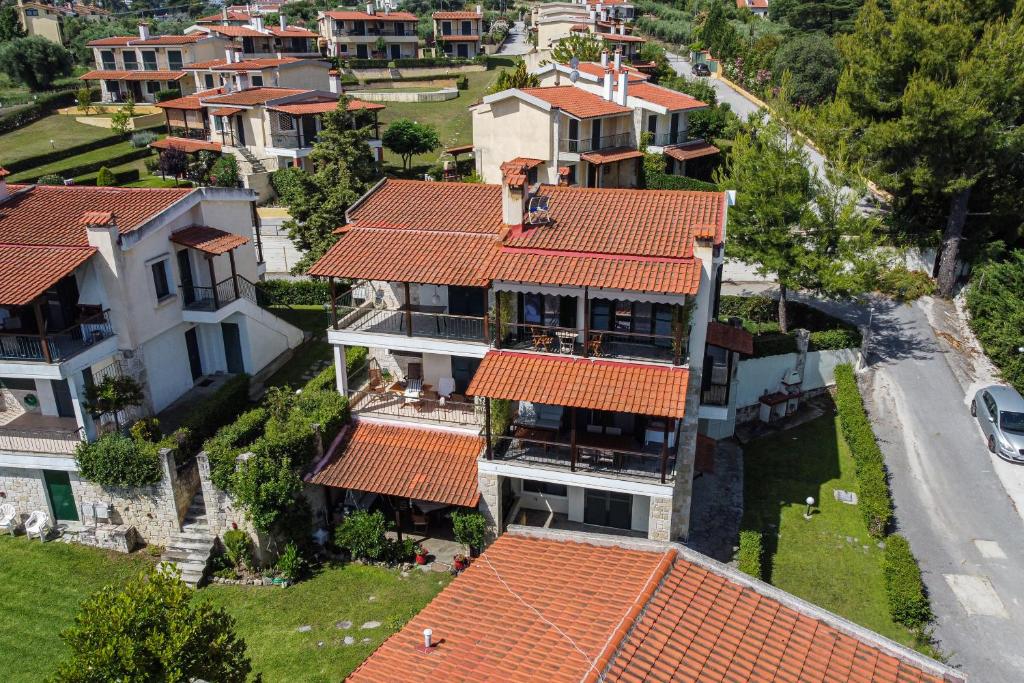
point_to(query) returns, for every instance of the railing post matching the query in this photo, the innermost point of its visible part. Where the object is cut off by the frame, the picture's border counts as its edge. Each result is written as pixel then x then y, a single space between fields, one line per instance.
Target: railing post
pixel 408 310
pixel 664 452
pixel 586 322
pixel 41 326
pixel 677 345
pixel 334 305
pixel 487 428
pixel 572 441
pixel 497 319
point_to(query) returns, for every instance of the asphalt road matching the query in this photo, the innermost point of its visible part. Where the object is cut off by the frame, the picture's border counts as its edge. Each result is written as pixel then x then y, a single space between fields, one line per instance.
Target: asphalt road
pixel 516 43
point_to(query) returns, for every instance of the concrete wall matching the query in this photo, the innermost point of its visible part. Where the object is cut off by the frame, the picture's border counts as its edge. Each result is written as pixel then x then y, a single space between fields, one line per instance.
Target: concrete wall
pixel 760 375
pixel 167 368
pixel 511 128
pixel 383 96
pixel 418 72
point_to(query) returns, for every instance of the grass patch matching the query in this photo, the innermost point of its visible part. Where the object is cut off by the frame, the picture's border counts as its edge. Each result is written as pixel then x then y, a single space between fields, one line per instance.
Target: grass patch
pixel 94 156
pixel 813 559
pixel 306 317
pixel 43 584
pixel 35 138
pixel 306 356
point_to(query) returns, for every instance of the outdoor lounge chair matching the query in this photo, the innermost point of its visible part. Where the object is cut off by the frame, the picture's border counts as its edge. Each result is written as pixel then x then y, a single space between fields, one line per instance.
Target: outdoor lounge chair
pixel 38 524
pixel 8 518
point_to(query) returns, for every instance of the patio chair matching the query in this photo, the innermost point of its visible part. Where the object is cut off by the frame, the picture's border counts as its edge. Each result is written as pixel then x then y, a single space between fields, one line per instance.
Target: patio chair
pixel 540 338
pixel 420 521
pixel 414 371
pixel 376 385
pixel 38 524
pixel 594 345
pixel 8 518
pixel 566 342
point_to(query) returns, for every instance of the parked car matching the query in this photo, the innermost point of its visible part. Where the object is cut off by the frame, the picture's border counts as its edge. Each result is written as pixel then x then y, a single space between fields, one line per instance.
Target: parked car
pixel 701 69
pixel 1000 412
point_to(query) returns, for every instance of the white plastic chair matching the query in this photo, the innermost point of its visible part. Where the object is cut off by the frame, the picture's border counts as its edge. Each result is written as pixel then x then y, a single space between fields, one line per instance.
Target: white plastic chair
pixel 38 524
pixel 446 386
pixel 8 518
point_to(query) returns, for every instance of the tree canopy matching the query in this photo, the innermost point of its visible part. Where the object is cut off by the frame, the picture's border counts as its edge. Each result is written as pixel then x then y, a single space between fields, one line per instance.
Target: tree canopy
pixel 585 48
pixel 518 77
pixel 407 138
pixel 35 62
pixel 10 26
pixel 829 16
pixel 814 64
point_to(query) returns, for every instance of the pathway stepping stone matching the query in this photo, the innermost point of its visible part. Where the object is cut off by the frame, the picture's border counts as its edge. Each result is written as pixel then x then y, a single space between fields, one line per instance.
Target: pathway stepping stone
pixel 305 629
pixel 370 624
pixel 365 640
pixel 349 640
pixel 343 625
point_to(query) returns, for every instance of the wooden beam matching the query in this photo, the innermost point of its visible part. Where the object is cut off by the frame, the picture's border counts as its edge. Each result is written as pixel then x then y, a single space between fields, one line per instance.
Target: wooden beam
pixel 41 327
pixel 234 273
pixel 213 283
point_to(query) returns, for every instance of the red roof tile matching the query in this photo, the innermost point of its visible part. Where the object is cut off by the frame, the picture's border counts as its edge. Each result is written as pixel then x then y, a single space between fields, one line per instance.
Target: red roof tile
pixel 463 207
pixel 301 108
pixel 428 257
pixel 730 337
pixel 186 39
pixel 116 75
pixel 408 462
pixel 232 16
pixel 577 102
pixel 456 15
pixel 251 96
pixel 190 102
pixel 187 145
pixel 225 111
pixel 691 150
pixel 667 276
pixel 292 32
pixel 343 15
pixel 618 38
pixel 236 31
pixel 542 607
pixel 595 69
pixel 756 4
pixel 528 610
pixel 610 156
pixel 670 99
pixel 255 64
pixel 582 383
pixel 26 272
pixel 208 240
pixel 112 41
pixel 51 214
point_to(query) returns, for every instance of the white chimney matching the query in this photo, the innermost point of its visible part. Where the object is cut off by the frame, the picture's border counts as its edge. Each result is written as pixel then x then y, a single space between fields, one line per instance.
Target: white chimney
pixel 224 13
pixel 427 635
pixel 608 84
pixel 512 205
pixel 369 8
pixel 621 94
pixel 283 21
pixel 257 23
pixel 480 10
pixel 593 16
pixel 229 54
pixel 335 80
pixel 622 29
pixel 604 15
pixel 618 59
pixel 144 30
pixel 4 193
pixel 604 58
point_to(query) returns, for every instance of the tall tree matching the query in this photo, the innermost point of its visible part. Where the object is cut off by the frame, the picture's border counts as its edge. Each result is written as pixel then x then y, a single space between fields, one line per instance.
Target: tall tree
pixel 518 77
pixel 10 26
pixel 585 48
pixel 407 138
pixel 790 223
pixel 814 63
pixel 940 96
pixel 36 62
pixel 807 16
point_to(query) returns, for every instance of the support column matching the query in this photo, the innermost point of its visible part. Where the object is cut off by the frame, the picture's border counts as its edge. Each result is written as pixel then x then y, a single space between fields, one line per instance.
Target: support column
pixel 586 321
pixel 234 273
pixel 82 415
pixel 408 310
pixel 572 440
pixel 664 452
pixel 487 428
pixel 497 319
pixel 213 283
pixel 41 327
pixel 340 370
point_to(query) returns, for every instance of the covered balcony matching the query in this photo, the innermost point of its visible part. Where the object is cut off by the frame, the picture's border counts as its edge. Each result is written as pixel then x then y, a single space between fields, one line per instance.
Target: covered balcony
pixel 203 289
pixel 297 125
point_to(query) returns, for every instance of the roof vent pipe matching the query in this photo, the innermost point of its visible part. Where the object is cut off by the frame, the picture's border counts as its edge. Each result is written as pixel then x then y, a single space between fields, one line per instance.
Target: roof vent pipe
pixel 369 8
pixel 618 59
pixel 282 20
pixel 428 635
pixel 604 59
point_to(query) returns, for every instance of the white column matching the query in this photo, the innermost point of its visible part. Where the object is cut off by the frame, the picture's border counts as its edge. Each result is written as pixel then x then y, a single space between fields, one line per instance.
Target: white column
pixel 82 415
pixel 340 371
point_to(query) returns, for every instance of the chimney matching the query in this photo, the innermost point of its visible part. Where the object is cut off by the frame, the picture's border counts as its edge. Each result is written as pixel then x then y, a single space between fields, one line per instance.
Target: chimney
pixel 224 13
pixel 427 636
pixel 604 59
pixel 608 84
pixel 144 30
pixel 480 10
pixel 257 23
pixel 229 55
pixel 513 205
pixel 335 80
pixel 604 15
pixel 622 29
pixel 283 21
pixel 4 193
pixel 618 59
pixel 369 8
pixel 621 94
pixel 592 15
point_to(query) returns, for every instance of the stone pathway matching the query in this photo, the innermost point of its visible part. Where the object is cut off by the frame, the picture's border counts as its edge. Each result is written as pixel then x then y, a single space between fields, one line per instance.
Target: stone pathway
pixel 717 507
pixel 190 550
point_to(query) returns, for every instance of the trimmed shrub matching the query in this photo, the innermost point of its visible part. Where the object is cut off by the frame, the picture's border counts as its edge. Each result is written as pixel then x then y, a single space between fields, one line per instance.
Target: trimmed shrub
pixel 295 292
pixel 105 178
pixel 664 181
pixel 120 178
pixel 142 138
pixel 50 179
pixel 40 107
pixel 117 460
pixel 469 528
pixel 212 413
pixel 833 340
pixel 751 553
pixel 62 153
pixel 93 166
pixel 773 344
pixel 362 534
pixel 229 441
pixel 875 502
pixel 908 600
pixel 462 82
pixel 238 548
pixel 165 95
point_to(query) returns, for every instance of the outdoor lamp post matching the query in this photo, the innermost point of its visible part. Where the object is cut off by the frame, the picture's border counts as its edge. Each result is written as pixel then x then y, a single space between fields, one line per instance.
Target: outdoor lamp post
pixel 810 504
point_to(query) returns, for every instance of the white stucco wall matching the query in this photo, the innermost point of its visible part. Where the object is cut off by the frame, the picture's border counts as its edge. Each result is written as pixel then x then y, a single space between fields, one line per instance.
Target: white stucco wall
pixel 508 129
pixel 167 369
pixel 758 375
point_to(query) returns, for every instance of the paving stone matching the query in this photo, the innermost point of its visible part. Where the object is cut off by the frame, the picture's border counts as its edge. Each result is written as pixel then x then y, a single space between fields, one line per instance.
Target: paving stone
pixel 370 624
pixel 373 598
pixel 343 625
pixel 364 640
pixel 305 629
pixel 349 640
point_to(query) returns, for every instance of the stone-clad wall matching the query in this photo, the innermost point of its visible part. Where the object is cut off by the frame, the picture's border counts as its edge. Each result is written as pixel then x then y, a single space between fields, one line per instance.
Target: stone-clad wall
pixel 224 513
pixel 24 489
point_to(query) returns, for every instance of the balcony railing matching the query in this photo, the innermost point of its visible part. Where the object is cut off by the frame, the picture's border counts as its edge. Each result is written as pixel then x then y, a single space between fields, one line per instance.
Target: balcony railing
pixel 594 144
pixel 53 347
pixel 672 348
pixel 666 139
pixel 654 463
pixel 381 401
pixel 411 322
pixel 40 440
pixel 205 298
pixel 290 140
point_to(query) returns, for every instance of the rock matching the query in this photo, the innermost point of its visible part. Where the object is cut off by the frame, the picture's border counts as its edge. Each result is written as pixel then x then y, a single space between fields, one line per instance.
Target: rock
pixel 343 625
pixel 373 598
pixel 370 624
pixel 349 640
pixel 364 640
pixel 305 629
pixel 850 539
pixel 405 574
pixel 881 545
pixel 320 643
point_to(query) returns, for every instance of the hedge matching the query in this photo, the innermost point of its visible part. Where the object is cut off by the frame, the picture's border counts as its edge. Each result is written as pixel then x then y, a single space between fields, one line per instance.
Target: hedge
pixel 63 153
pixel 119 461
pixel 908 600
pixel 833 340
pixel 773 344
pixel 751 553
pixel 217 410
pixel 760 317
pixel 875 501
pixel 120 177
pixel 296 292
pixel 41 107
pixel 93 166
pixel 404 79
pixel 664 181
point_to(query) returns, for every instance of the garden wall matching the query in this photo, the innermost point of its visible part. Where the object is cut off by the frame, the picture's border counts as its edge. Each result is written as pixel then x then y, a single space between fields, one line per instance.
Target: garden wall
pixel 756 376
pixel 414 72
pixel 383 96
pixel 224 513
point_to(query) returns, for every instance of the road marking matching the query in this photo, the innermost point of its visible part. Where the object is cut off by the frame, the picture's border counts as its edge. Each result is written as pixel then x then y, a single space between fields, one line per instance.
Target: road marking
pixel 989 549
pixel 976 595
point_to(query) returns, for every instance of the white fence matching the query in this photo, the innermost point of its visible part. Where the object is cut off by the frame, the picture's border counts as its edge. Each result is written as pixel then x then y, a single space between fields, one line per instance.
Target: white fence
pixel 757 376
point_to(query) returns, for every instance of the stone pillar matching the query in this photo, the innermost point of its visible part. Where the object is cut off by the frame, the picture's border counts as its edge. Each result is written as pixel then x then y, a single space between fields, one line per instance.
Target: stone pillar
pixel 686 452
pixel 340 370
pixel 659 524
pixel 490 503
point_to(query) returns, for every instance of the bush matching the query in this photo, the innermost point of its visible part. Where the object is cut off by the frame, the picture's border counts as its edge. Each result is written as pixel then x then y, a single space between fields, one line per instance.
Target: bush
pixel 329 409
pixel 995 300
pixel 401 551
pixel 289 184
pixel 773 344
pixel 875 502
pixel 50 179
pixel 290 563
pixel 147 429
pixel 212 413
pixel 118 460
pixel 295 292
pixel 142 138
pixel 751 554
pixel 40 107
pixel 756 308
pixel 469 528
pixel 238 548
pixel 264 485
pixel 363 535
pixel 34 61
pixel 908 600
pixel 105 178
pixel 904 284
pixel 120 178
pixel 462 83
pixel 833 340
pixel 165 95
pixel 225 172
pixel 93 166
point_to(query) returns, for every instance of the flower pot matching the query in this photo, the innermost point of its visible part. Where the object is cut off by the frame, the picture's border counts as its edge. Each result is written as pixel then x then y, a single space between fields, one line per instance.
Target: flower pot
pixel 421 559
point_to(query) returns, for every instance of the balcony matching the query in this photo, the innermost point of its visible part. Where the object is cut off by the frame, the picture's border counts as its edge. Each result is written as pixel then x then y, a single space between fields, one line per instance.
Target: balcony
pixel 428 408
pixel 594 144
pixel 208 299
pixel 32 433
pixel 642 346
pixel 55 347
pixel 430 322
pixel 665 139
pixel 290 140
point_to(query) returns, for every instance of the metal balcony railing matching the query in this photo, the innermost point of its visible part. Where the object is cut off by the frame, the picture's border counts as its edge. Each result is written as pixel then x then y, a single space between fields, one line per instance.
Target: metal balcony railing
pixel 595 144
pixel 54 347
pixel 40 440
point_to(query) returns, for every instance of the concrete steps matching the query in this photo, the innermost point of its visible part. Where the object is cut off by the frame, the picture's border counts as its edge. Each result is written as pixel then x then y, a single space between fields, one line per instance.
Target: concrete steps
pixel 190 549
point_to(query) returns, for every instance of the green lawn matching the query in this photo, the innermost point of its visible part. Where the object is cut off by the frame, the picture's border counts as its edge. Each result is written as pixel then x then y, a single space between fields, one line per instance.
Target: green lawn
pixel 42 586
pixel 100 154
pixel 813 559
pixel 35 138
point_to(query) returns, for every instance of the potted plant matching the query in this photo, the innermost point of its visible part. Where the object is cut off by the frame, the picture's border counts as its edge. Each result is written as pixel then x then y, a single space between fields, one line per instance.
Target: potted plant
pixel 421 554
pixel 460 562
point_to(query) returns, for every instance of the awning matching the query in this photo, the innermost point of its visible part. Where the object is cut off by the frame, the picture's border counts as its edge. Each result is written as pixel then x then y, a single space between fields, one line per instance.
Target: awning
pixel 28 271
pixel 225 111
pixel 582 383
pixel 691 150
pixel 208 240
pixel 729 337
pixel 460 149
pixel 103 75
pixel 187 145
pixel 409 462
pixel 610 156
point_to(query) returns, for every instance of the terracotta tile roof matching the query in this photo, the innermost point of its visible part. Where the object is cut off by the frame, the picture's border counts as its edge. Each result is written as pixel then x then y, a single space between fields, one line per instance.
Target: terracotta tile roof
pixel 188 145
pixel 236 31
pixel 456 15
pixel 756 4
pixel 112 41
pixel 463 38
pixel 730 337
pixel 4 173
pixel 225 111
pixel 528 610
pixel 190 102
pixel 232 16
pixel 582 383
pixel 691 150
pixel 542 606
pixel 255 64
pixel 208 64
pixel 292 32
pixel 26 272
pixel 186 39
pixel 675 276
pixel 428 257
pixel 408 462
pixel 610 156
pixel 116 75
pixel 577 102
pixel 463 207
pixel 208 240
pixel 251 96
pixel 595 69
pixel 301 108
pixel 670 99
pixel 51 214
pixel 656 223
pixel 343 15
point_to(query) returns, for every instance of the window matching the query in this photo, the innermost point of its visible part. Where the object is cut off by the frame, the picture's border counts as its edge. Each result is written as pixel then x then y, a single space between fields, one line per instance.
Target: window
pixel 153 87
pixel 446 28
pixel 285 121
pixel 149 60
pixel 652 124
pixel 130 61
pixel 208 79
pixel 545 488
pixel 107 57
pixel 31 13
pixel 174 60
pixel 257 81
pixel 571 178
pixel 344 48
pixel 160 280
pixel 399 28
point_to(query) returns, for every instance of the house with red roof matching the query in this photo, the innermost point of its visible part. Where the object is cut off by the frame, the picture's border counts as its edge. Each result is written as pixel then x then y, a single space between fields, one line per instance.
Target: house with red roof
pixel 152 284
pixel 758 7
pixel 554 606
pixel 459 34
pixel 255 39
pixel 560 332
pixel 355 34
pixel 610 22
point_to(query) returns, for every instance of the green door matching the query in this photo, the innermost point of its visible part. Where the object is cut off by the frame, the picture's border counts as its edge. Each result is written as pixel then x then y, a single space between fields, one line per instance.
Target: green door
pixel 58 488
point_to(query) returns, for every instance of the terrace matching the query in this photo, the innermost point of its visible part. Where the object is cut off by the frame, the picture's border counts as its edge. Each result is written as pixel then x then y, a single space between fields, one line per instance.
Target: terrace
pixel 34 433
pixel 26 338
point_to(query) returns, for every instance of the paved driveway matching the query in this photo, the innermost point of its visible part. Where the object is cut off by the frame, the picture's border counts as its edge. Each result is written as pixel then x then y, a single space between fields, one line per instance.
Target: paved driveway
pixel 516 43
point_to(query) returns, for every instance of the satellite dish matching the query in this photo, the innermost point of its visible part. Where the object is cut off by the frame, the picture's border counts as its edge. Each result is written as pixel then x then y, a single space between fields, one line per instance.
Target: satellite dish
pixel 574 62
pixel 573 76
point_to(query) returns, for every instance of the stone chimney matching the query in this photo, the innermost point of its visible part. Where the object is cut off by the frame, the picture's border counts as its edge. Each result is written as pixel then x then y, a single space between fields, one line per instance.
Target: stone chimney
pixel 513 190
pixel 608 84
pixel 4 192
pixel 621 94
pixel 144 30
pixel 604 59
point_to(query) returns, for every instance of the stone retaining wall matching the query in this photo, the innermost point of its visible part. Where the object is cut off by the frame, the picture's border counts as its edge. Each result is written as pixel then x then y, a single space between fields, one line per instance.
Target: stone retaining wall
pixel 383 96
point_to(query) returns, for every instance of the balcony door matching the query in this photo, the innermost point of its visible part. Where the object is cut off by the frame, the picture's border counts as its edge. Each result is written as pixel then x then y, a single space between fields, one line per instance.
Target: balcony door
pixel 240 125
pixel 396 51
pixel 232 348
pixel 607 508
pixel 466 301
pixel 185 269
pixel 62 397
pixel 595 134
pixel 195 362
pixel 463 370
pixel 309 131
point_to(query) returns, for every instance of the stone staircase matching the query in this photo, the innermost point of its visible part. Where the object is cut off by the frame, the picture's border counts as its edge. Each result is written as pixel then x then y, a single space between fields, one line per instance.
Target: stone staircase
pixel 190 549
pixel 255 164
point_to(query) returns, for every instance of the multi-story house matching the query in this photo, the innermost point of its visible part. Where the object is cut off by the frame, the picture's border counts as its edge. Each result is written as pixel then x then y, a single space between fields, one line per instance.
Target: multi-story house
pixel 142 66
pixel 459 34
pixel 759 8
pixel 375 33
pixel 539 348
pixel 47 20
pixel 583 128
pixel 277 72
pixel 610 21
pixel 256 40
pixel 156 284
